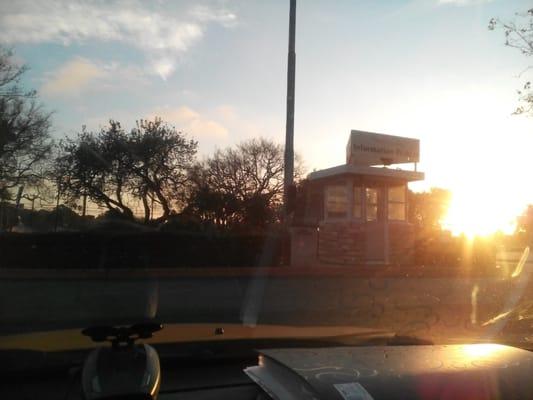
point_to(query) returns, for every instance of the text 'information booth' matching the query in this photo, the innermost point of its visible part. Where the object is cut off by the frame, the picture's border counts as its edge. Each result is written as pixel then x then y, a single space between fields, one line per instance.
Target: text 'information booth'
pixel 356 213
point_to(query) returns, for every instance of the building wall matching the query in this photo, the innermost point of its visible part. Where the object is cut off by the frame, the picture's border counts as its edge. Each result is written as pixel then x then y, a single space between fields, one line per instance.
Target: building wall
pixel 304 246
pixel 341 243
pixel 346 243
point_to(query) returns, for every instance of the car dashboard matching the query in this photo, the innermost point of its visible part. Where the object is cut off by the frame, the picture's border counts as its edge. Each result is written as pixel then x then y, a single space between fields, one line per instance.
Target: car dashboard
pixel 477 371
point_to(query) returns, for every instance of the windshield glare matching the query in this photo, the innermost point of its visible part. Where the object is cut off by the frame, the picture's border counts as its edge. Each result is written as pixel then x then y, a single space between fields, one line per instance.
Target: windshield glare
pixel 219 164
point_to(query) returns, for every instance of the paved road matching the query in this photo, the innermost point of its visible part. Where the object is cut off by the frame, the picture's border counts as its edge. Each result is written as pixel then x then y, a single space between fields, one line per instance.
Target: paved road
pixel 434 308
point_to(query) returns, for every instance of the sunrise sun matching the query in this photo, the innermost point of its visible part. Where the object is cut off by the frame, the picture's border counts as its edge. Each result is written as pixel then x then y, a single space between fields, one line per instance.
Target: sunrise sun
pixel 475 211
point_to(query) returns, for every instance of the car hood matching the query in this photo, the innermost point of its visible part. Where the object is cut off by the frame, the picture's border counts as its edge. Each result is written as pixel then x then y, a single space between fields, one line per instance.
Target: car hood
pixel 72 339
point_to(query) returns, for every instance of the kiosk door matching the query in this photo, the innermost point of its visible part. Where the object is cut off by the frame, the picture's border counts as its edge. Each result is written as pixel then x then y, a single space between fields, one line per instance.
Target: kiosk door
pixel 376 224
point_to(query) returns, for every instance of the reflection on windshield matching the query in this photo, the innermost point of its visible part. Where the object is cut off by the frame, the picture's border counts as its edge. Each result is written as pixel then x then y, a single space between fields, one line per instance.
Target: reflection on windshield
pixel 149 170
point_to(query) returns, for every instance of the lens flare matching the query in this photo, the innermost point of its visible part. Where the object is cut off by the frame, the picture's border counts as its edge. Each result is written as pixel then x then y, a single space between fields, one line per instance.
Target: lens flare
pixel 475 211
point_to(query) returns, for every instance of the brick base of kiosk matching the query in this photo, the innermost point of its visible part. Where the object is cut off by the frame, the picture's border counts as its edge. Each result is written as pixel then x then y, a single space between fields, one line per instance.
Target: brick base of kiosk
pixel 347 244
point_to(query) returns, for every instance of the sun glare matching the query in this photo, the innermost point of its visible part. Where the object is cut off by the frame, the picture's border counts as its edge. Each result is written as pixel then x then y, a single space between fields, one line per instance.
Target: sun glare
pixel 481 350
pixel 476 212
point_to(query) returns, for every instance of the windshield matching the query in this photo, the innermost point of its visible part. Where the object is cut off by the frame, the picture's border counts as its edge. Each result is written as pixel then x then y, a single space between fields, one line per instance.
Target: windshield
pixel 257 164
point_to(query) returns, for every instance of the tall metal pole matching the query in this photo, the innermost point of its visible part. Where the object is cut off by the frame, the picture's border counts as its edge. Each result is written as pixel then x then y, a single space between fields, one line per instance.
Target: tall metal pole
pixel 289 128
pixel 84 206
pixel 57 207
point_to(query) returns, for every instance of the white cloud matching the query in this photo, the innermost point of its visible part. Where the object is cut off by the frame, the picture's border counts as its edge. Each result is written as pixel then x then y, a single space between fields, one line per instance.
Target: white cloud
pixel 244 125
pixel 463 2
pixel 190 121
pixel 79 75
pixel 226 113
pixel 205 14
pixel 72 77
pixel 154 28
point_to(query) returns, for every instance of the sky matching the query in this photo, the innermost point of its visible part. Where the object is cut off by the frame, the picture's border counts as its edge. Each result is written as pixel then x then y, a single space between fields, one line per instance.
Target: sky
pixel 217 71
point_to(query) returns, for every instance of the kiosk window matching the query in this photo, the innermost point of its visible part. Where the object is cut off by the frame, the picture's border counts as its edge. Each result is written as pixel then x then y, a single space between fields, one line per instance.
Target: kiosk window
pixel 336 201
pixel 357 211
pixel 397 203
pixel 371 204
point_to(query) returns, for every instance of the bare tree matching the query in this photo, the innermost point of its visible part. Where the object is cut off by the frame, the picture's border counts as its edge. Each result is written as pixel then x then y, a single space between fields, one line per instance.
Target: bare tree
pixel 93 165
pixel 160 160
pixel 25 142
pixel 221 208
pixel 519 35
pixel 246 180
pixel 115 168
pixel 43 193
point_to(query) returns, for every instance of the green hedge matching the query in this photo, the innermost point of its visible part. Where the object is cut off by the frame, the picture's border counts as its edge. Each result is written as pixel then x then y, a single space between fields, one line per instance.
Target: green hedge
pixel 139 250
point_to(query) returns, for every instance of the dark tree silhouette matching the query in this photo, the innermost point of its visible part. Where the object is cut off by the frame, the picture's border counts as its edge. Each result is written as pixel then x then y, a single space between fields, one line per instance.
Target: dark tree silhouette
pixel 95 165
pixel 41 192
pixel 241 185
pixel 209 205
pixel 115 168
pixel 519 35
pixel 25 142
pixel 160 159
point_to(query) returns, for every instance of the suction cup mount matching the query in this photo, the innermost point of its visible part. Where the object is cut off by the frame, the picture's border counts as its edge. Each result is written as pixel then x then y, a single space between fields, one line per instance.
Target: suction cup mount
pixel 122 336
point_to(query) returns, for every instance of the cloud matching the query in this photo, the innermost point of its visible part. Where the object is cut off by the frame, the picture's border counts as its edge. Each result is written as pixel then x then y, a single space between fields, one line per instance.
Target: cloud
pixel 80 75
pixel 226 113
pixel 163 34
pixel 463 2
pixel 244 125
pixel 190 121
pixel 72 77
pixel 206 14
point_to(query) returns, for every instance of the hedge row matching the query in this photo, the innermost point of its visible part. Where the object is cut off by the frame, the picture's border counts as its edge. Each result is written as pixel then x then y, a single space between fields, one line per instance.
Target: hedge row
pixel 139 250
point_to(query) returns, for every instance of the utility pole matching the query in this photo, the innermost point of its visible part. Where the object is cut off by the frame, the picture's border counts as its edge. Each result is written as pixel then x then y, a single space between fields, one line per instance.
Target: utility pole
pixel 57 207
pixel 1 215
pixel 288 180
pixel 84 206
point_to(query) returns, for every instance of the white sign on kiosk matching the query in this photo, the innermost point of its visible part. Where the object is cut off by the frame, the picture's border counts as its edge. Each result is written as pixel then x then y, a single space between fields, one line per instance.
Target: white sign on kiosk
pixel 367 148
